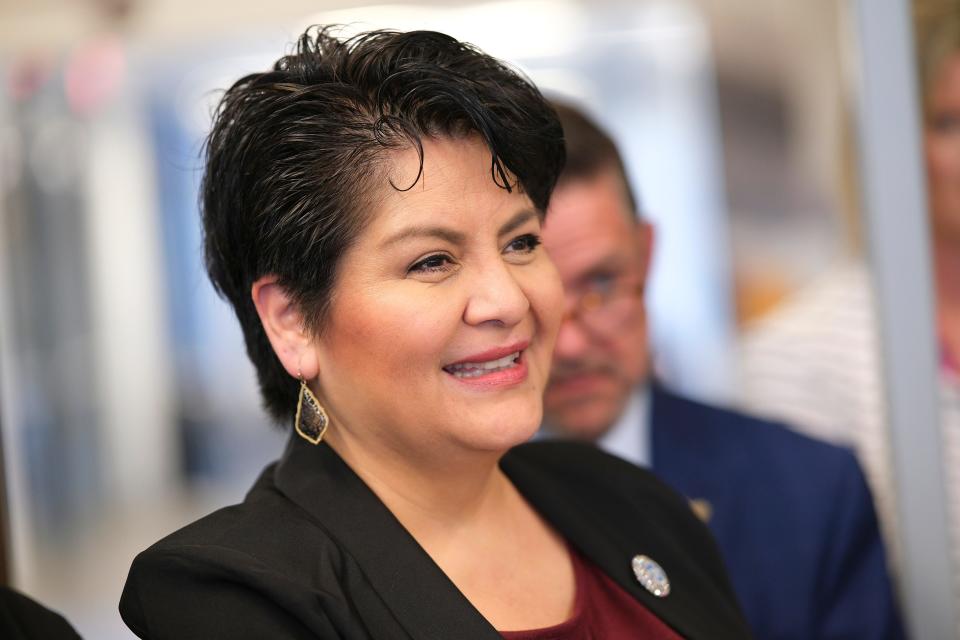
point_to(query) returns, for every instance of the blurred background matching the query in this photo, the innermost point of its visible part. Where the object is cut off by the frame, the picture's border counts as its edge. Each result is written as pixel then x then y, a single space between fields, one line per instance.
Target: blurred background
pixel 128 405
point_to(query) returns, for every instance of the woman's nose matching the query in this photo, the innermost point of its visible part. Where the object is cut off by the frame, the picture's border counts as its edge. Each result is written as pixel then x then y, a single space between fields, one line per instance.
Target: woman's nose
pixel 496 296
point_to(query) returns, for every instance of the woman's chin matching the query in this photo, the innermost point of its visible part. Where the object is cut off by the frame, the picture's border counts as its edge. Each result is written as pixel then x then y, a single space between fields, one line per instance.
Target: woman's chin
pixel 501 435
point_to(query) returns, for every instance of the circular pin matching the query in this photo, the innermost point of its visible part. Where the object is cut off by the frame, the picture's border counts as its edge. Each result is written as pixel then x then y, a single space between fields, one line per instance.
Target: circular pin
pixel 651 575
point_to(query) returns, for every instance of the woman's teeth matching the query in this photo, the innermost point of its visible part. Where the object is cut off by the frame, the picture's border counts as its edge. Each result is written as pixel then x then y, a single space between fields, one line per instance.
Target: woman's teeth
pixel 474 369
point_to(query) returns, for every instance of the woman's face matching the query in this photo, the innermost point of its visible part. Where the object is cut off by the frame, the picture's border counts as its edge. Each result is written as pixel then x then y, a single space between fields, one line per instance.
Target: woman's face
pixel 444 312
pixel 942 146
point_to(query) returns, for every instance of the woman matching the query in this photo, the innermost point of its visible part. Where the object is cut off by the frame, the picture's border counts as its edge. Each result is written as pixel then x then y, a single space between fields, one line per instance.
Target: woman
pixel 372 211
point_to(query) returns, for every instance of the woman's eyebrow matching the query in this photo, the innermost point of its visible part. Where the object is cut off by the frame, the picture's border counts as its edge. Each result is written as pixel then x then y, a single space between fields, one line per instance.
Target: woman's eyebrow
pixel 443 233
pixel 453 236
pixel 518 220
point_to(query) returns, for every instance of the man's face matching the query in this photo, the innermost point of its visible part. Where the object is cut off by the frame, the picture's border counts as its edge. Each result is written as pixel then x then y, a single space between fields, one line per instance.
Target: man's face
pixel 602 254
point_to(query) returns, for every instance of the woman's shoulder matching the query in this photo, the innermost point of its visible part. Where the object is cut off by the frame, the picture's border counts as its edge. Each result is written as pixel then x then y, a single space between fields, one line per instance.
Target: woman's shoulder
pixel 252 560
pixel 241 527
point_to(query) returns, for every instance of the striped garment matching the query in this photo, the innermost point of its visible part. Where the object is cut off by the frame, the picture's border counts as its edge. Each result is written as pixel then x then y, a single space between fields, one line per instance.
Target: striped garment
pixel 814 362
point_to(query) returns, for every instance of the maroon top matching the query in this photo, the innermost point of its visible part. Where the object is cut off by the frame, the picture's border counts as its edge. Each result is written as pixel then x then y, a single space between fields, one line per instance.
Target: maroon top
pixel 601 610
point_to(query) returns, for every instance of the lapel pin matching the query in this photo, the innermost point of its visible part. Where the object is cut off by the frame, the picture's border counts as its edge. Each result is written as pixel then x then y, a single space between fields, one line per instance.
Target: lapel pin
pixel 651 575
pixel 702 509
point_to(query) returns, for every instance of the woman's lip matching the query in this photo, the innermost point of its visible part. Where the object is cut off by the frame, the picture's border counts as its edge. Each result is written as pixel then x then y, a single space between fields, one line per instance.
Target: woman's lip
pixel 498 379
pixel 492 354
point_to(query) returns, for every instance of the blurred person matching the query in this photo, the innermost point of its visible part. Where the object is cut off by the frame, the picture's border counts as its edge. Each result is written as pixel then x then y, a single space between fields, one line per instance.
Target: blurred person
pixel 372 210
pixel 816 361
pixel 793 517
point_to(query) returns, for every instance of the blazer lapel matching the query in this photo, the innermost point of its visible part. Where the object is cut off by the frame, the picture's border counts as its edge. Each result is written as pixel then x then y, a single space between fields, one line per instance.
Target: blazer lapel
pixel 428 606
pixel 694 608
pixel 424 601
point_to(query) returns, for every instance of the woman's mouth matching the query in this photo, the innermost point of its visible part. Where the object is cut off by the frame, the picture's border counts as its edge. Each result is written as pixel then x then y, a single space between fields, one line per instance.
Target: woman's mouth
pixel 494 368
pixel 476 369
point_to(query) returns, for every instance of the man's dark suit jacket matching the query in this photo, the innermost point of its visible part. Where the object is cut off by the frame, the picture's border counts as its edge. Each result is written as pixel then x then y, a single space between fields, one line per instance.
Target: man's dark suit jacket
pixel 792 516
pixel 312 553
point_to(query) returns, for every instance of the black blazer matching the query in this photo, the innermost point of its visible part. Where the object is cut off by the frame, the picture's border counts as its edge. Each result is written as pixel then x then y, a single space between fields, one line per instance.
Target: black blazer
pixel 313 553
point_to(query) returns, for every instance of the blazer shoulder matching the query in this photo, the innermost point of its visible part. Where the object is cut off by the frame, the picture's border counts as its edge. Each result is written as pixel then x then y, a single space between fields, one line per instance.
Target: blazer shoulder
pixel 240 527
pixel 260 562
pixel 744 438
pixel 789 511
pixel 812 490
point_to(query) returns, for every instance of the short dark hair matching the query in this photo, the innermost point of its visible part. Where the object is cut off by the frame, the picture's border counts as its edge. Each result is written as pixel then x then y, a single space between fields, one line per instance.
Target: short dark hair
pixel 590 150
pixel 296 153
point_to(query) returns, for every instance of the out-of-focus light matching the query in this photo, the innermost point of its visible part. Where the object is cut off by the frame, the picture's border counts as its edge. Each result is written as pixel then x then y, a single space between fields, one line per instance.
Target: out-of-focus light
pixel 94 74
pixel 27 76
pixel 502 29
pixel 562 83
pixel 674 33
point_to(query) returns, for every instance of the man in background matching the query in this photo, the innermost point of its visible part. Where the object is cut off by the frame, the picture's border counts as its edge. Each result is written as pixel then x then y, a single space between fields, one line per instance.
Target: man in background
pixel 792 516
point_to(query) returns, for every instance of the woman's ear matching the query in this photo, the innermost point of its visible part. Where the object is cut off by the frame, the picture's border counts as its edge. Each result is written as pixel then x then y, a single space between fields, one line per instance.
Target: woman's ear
pixel 285 328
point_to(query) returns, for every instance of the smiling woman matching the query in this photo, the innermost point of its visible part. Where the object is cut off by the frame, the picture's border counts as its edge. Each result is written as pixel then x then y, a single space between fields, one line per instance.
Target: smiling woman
pixel 443 320
pixel 372 211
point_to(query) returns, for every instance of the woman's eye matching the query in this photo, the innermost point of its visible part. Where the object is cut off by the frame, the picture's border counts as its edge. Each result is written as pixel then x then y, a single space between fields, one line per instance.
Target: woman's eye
pixel 436 263
pixel 524 244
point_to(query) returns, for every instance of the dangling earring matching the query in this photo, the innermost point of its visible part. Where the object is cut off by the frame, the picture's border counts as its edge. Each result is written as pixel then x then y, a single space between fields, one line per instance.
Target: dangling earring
pixel 312 421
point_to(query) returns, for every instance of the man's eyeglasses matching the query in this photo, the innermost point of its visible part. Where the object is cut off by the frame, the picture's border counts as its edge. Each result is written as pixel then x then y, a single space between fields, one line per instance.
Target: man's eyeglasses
pixel 606 305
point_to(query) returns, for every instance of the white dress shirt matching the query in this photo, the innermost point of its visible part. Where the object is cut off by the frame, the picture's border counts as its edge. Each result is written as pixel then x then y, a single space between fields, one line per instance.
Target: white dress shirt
pixel 629 438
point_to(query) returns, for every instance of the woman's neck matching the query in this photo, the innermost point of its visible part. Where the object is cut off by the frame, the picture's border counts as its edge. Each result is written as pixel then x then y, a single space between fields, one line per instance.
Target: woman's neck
pixel 470 519
pixel 432 493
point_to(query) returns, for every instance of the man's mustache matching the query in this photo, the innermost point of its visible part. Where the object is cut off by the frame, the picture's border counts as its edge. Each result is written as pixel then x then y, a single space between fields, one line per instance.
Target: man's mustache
pixel 563 369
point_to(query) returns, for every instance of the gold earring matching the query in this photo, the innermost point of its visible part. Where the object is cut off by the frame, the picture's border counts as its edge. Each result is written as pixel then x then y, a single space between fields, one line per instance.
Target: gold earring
pixel 312 421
